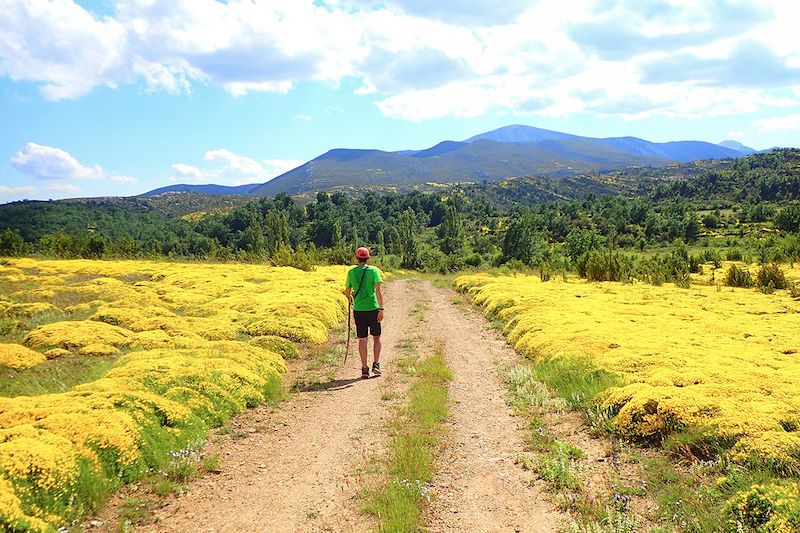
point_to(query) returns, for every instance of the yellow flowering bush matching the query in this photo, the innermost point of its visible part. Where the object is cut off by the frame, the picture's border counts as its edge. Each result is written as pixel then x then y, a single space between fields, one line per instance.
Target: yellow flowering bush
pixel 286 348
pixel 772 508
pixel 98 349
pixel 76 334
pixel 56 352
pixel 700 357
pixel 26 309
pixel 18 356
pixel 188 364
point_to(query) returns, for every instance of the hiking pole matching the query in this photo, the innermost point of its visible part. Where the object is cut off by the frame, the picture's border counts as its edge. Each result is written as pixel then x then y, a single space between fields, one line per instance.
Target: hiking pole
pixel 347 347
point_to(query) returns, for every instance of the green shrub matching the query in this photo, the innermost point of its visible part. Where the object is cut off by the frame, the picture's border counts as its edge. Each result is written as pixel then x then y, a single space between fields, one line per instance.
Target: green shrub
pixel 712 256
pixel 771 277
pixel 738 277
pixel 734 254
pixel 608 265
pixel 695 264
pixel 473 260
pixel 794 290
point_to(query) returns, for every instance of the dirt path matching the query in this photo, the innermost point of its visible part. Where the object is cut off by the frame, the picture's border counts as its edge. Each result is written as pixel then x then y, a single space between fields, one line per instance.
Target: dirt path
pixel 298 469
pixel 478 486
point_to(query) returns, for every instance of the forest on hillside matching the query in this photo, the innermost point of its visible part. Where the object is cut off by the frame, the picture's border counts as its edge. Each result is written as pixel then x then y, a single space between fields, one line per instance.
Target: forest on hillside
pixel 747 208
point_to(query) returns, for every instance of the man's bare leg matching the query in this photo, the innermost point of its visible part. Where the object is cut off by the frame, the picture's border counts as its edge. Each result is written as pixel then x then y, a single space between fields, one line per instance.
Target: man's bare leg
pixel 376 348
pixel 362 351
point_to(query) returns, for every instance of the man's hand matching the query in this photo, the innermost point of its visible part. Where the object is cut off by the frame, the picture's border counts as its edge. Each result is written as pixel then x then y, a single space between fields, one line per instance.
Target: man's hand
pixel 380 315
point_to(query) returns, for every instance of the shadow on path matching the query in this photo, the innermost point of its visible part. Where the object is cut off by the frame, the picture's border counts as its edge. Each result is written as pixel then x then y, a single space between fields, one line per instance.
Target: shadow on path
pixel 333 385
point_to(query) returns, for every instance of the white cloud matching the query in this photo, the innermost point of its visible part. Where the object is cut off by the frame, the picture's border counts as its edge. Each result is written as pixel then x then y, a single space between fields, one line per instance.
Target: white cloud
pixel 420 60
pixel 48 163
pixel 63 187
pixel 124 179
pixel 62 46
pixel 16 191
pixel 232 169
pixel 787 123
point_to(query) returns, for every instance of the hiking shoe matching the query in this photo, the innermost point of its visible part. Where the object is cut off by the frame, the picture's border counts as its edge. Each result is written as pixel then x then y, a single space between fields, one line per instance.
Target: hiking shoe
pixel 365 372
pixel 376 369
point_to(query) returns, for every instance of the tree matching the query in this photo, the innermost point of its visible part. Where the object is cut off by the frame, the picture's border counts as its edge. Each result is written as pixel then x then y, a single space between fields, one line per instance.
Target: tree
pixel 11 243
pixel 451 232
pixel 394 241
pixel 788 219
pixel 380 243
pixel 336 234
pixel 409 249
pixel 276 231
pixel 524 243
pixel 253 238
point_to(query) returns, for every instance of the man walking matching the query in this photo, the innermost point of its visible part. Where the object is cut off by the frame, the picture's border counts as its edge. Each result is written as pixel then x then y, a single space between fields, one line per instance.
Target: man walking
pixel 363 288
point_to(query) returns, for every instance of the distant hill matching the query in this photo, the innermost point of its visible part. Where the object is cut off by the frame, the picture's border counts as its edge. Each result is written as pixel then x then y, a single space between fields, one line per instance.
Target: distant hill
pixel 739 147
pixel 511 151
pixel 520 134
pixel 205 189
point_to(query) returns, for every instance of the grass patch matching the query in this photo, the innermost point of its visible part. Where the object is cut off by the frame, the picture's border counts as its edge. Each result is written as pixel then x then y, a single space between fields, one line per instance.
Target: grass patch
pixel 420 311
pixel 14 329
pixel 55 375
pixel 398 503
pixel 575 379
pixel 212 463
pixel 134 511
pixel 695 497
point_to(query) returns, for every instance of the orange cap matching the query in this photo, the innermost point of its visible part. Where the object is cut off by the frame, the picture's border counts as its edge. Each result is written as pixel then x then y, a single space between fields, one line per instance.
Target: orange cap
pixel 362 253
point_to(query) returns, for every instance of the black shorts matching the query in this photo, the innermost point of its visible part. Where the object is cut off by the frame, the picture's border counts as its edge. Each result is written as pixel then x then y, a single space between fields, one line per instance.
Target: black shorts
pixel 367 323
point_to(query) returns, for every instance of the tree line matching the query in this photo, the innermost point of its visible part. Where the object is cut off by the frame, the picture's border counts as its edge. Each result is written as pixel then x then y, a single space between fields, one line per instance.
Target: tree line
pixel 476 226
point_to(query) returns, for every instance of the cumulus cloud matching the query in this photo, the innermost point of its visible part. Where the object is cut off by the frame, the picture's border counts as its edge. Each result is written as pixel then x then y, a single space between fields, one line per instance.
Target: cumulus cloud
pixel 787 123
pixel 240 45
pixel 413 69
pixel 417 59
pixel 63 188
pixel 750 64
pixel 124 179
pixel 631 104
pixel 60 45
pixel 463 12
pixel 232 169
pixel 623 29
pixel 16 192
pixel 49 163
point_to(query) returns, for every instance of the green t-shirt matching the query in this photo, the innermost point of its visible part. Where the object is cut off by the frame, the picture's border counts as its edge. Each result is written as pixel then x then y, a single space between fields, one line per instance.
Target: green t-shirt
pixel 365 299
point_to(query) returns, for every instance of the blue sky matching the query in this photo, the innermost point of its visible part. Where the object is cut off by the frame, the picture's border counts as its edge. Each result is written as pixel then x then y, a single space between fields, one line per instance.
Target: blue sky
pixel 104 97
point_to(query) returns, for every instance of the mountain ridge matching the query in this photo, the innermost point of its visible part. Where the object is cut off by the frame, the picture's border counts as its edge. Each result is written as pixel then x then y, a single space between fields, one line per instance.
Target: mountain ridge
pixel 511 151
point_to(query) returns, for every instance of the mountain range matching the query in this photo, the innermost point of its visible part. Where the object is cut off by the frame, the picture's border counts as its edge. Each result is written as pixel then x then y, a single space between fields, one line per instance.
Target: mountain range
pixel 511 151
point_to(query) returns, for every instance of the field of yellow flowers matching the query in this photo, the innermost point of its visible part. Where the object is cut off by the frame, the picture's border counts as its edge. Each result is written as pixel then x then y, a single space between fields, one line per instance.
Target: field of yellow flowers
pixel 707 356
pixel 711 358
pixel 194 344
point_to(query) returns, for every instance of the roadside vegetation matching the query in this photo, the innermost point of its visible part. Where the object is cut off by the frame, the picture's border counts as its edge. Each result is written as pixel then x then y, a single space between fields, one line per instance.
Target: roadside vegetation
pixel 118 369
pixel 686 372
pixel 401 497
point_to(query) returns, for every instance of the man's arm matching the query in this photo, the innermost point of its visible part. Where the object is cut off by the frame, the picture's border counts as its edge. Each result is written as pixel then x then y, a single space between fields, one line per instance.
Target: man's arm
pixel 379 294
